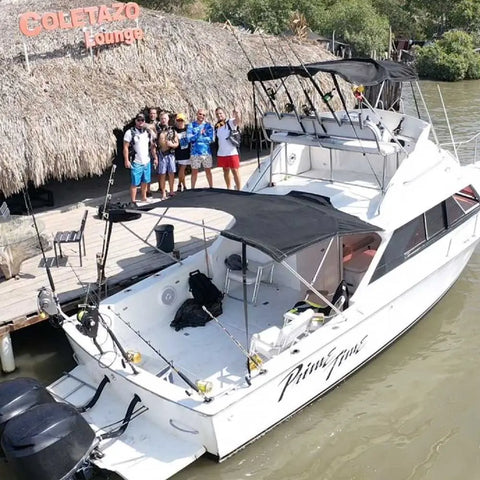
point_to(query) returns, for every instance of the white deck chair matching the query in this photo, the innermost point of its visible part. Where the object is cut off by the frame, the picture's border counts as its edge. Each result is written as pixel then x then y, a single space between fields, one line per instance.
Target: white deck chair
pixel 274 340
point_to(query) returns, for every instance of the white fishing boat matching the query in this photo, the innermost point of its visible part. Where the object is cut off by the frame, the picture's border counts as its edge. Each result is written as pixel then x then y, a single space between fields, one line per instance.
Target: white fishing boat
pixel 350 231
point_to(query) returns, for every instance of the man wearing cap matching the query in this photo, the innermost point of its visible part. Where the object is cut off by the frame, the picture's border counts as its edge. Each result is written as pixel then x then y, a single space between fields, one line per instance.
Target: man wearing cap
pixel 138 149
pixel 182 152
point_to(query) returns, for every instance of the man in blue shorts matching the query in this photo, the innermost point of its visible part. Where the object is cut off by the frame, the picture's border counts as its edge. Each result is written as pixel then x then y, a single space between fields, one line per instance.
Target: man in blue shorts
pixel 138 149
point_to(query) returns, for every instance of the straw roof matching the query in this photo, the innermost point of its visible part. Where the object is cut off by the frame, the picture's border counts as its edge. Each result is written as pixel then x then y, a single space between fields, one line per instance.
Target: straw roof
pixel 57 117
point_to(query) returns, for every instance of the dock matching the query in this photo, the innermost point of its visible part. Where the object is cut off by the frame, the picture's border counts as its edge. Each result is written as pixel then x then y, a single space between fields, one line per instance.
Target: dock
pixel 131 256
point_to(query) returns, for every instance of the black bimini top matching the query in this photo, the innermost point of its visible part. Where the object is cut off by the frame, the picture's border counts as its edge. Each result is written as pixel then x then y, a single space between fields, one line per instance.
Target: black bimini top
pixel 278 225
pixel 359 71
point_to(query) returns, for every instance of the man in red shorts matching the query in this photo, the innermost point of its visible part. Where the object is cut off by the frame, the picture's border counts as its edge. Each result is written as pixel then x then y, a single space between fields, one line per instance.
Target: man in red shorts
pixel 227 155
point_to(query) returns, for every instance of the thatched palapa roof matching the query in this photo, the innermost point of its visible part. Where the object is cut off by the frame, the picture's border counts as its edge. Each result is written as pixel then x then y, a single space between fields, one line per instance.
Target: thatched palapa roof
pixel 57 117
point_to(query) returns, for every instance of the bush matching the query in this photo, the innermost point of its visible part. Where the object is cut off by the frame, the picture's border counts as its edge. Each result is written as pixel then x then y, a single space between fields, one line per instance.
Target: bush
pixel 450 59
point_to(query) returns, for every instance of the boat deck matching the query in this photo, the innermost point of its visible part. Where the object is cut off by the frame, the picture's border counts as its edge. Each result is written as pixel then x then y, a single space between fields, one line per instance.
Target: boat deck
pixel 208 353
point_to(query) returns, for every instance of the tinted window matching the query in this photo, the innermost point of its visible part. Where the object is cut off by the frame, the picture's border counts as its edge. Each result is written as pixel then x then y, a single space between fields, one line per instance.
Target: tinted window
pixel 404 240
pixel 454 210
pixel 414 236
pixel 435 220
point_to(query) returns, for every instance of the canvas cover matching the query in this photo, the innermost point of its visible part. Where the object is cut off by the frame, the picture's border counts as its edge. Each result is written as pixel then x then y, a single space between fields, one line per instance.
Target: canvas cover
pixel 358 71
pixel 278 225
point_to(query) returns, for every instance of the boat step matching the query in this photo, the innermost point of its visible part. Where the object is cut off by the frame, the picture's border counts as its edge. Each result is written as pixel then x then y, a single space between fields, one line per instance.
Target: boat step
pixel 74 387
pixel 144 451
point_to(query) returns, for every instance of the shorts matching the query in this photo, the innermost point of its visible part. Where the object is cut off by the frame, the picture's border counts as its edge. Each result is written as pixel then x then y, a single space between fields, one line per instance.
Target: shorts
pixel 199 160
pixel 184 162
pixel 166 163
pixel 229 161
pixel 140 173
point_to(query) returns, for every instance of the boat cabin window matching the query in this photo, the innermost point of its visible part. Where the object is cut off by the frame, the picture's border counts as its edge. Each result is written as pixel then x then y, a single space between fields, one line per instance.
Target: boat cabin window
pixel 435 220
pixel 427 228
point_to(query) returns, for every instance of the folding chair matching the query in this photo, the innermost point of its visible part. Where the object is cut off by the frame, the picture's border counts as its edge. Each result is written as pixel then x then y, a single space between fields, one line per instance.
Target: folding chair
pixel 72 236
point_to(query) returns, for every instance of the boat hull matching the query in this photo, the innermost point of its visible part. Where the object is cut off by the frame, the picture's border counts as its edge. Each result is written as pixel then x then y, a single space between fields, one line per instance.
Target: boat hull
pixel 296 377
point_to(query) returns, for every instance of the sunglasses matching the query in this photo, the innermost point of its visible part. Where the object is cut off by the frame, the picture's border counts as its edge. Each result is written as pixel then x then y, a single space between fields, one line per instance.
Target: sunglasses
pixel 140 119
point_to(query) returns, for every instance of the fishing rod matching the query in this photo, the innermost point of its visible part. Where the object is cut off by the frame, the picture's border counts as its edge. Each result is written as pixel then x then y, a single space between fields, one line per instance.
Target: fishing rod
pixel 325 97
pixel 166 360
pixel 291 105
pixel 101 260
pixel 270 95
pixel 305 92
pixel 47 300
pixel 251 358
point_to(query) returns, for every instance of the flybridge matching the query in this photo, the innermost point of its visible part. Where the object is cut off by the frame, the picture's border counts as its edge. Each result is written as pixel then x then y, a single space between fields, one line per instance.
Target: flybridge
pixel 32 23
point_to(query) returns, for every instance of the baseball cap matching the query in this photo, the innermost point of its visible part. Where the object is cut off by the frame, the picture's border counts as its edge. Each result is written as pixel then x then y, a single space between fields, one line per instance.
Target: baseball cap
pixel 140 116
pixel 181 116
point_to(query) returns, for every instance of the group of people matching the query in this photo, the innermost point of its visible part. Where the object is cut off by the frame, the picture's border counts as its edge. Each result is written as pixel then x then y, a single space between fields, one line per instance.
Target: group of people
pixel 165 146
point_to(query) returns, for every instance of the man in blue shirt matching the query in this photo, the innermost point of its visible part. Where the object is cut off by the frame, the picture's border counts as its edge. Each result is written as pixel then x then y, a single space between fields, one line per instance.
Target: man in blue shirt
pixel 200 136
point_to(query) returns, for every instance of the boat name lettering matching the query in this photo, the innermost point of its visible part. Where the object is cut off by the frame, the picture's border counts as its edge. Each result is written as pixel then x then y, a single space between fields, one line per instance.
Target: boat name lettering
pixel 328 363
pixel 32 24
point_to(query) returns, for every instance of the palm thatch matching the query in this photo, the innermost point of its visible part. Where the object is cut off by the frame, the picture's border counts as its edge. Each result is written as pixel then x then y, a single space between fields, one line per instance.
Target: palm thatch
pixel 58 113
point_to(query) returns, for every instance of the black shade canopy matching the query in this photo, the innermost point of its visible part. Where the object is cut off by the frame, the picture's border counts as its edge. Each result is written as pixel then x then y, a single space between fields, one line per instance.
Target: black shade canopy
pixel 278 225
pixel 359 71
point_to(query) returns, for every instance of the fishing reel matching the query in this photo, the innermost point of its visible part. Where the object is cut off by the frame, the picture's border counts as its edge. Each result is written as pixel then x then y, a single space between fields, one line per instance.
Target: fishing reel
pixel 307 110
pixel 47 307
pixel 271 93
pixel 88 318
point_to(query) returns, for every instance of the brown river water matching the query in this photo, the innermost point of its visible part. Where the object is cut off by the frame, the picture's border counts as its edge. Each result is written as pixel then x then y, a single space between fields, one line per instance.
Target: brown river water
pixel 410 414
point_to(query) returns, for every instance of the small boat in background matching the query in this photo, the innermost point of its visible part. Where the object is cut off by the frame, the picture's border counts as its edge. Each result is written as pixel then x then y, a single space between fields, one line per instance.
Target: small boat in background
pixel 349 232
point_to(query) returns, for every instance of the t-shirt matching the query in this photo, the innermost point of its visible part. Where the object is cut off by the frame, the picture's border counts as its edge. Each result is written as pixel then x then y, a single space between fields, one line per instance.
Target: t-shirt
pixel 225 148
pixel 141 144
pixel 182 152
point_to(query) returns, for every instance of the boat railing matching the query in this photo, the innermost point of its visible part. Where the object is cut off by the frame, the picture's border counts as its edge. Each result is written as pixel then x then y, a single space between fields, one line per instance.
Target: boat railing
pixel 267 170
pixel 472 142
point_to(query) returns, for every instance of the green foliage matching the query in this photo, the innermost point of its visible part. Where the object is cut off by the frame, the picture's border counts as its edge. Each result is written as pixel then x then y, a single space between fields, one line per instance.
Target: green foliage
pixel 452 58
pixel 466 15
pixel 357 23
pixel 270 15
pixel 170 6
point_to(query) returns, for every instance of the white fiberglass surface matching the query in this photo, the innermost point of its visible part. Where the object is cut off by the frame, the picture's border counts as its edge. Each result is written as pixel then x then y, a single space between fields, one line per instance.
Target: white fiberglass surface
pixel 208 352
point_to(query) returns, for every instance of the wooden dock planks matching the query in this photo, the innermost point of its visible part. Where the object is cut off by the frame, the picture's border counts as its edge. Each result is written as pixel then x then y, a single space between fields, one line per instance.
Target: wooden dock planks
pixel 128 257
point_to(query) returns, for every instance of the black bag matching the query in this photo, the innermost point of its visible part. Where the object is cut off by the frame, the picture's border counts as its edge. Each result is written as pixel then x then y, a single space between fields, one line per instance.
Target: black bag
pixel 203 289
pixel 191 314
